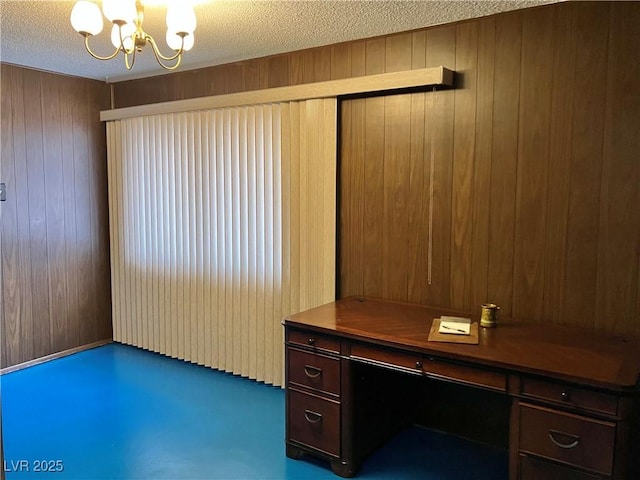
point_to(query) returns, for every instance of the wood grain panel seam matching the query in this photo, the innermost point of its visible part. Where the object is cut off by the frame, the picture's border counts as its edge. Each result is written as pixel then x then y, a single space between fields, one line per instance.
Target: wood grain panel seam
pixel 516 170
pixel 603 152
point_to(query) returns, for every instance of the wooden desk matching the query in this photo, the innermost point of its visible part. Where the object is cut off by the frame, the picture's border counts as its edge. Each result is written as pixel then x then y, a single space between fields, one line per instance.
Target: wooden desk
pixel 572 394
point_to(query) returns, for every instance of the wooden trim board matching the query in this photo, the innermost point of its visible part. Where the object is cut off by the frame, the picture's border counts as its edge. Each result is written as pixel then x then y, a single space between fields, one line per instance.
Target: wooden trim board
pixel 54 356
pixel 333 88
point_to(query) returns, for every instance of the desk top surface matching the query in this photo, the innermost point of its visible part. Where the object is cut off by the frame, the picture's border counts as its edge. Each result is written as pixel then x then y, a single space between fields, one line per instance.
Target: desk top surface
pixel 562 352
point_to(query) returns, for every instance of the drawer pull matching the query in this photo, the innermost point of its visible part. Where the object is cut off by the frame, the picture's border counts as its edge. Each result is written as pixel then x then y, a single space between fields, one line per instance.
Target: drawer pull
pixel 565 396
pixel 576 439
pixel 312 417
pixel 311 341
pixel 419 365
pixel 311 371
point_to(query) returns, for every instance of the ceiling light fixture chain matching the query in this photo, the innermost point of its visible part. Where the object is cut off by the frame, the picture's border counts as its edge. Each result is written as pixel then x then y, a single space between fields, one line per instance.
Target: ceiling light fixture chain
pixel 127 33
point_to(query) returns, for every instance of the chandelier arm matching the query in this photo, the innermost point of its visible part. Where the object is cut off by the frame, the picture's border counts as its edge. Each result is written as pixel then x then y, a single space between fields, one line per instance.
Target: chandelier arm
pixel 86 45
pixel 164 65
pixel 132 37
pixel 126 59
pixel 159 55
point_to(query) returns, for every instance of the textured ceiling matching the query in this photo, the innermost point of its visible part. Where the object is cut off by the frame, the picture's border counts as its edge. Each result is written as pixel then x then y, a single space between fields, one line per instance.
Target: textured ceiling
pixel 38 34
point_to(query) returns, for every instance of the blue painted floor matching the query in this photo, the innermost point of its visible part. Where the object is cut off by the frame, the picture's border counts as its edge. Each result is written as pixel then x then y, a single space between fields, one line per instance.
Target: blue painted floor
pixel 118 412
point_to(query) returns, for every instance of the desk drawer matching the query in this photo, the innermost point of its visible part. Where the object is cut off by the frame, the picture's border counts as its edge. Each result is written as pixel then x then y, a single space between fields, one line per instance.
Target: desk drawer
pixel 571 439
pixel 570 396
pixel 534 469
pixel 433 367
pixel 313 370
pixel 312 339
pixel 314 422
pixel 466 374
pixel 405 361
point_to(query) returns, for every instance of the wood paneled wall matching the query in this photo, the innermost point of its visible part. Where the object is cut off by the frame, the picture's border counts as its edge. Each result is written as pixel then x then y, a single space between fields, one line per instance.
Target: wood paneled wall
pixel 536 177
pixel 55 251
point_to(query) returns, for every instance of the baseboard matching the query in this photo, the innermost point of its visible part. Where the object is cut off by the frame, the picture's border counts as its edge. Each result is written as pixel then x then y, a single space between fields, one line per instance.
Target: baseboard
pixel 54 356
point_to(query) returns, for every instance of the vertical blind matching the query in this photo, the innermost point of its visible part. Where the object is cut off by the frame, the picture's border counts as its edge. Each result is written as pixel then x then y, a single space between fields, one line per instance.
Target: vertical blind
pixel 222 222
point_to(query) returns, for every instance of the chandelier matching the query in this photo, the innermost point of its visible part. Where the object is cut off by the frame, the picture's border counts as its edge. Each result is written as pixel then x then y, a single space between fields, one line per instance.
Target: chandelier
pixel 127 35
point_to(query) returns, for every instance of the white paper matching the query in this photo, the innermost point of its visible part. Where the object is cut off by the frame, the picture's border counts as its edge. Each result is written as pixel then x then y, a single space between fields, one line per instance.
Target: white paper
pixel 455 325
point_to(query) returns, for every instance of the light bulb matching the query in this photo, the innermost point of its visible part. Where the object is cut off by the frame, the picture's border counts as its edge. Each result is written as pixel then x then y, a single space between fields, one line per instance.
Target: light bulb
pixel 119 10
pixel 126 31
pixel 86 18
pixel 181 18
pixel 174 41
